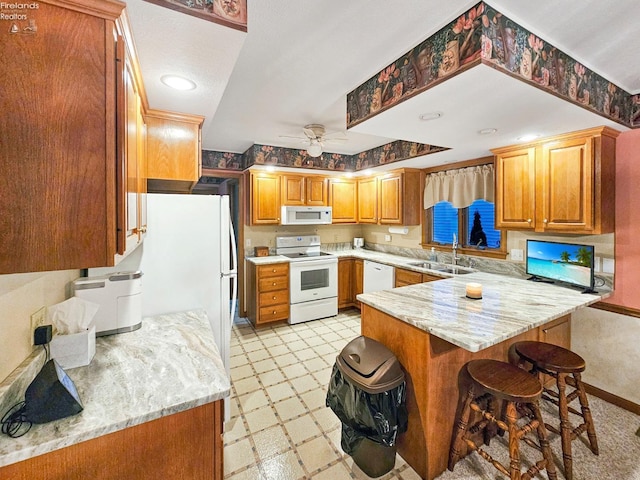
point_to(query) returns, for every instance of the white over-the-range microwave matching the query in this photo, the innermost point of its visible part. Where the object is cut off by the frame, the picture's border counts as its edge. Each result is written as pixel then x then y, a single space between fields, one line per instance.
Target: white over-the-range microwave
pixel 305 215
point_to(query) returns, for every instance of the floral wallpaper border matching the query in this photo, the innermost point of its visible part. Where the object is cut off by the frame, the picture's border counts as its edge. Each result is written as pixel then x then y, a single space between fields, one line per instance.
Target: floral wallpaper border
pixel 484 35
pixel 289 157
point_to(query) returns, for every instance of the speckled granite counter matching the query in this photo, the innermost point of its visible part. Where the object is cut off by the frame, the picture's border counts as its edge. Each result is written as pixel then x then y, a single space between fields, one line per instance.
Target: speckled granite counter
pixel 169 365
pixel 509 307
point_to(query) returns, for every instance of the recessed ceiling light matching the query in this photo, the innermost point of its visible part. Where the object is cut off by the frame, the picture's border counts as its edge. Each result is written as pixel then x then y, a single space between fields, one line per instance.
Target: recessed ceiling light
pixel 487 131
pixel 528 138
pixel 430 116
pixel 178 83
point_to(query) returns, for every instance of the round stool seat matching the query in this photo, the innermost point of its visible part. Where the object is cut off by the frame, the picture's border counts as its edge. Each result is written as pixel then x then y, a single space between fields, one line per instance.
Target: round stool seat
pixel 504 381
pixel 550 357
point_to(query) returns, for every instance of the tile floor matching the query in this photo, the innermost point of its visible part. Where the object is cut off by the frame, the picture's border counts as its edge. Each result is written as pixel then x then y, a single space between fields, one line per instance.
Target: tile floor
pixel 280 427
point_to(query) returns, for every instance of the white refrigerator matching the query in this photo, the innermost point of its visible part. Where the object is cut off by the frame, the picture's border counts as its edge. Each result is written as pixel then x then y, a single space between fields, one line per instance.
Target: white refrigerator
pixel 188 260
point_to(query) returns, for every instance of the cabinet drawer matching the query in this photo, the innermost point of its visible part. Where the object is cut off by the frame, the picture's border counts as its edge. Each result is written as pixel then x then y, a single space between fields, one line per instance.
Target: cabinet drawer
pixel 274 312
pixel 274 270
pixel 274 298
pixel 273 283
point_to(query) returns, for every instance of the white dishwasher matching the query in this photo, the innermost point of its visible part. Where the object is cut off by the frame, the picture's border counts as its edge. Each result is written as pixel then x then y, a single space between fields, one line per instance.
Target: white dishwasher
pixel 377 277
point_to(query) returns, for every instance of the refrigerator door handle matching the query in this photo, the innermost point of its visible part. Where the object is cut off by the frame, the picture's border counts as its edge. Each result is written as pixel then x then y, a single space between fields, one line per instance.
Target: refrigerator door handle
pixel 234 250
pixel 234 297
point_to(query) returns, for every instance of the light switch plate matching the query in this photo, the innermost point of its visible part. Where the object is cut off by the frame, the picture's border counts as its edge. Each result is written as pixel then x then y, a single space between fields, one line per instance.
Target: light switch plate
pixel 597 264
pixel 387 238
pixel 517 254
pixel 608 265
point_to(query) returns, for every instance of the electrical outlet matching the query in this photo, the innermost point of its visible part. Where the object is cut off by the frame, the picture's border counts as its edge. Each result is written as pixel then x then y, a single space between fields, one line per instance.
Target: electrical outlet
pixel 37 320
pixel 247 242
pixel 387 238
pixel 517 254
pixel 335 238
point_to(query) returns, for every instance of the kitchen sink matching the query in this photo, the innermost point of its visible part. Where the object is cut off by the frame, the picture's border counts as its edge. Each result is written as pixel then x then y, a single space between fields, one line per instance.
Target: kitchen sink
pixel 440 267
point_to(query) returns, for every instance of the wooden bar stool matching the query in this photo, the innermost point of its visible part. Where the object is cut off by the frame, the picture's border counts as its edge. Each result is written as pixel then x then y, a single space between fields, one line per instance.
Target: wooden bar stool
pixel 488 382
pixel 565 366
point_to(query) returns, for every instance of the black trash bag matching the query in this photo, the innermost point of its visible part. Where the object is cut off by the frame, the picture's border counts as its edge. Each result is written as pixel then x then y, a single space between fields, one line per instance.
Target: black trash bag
pixel 380 417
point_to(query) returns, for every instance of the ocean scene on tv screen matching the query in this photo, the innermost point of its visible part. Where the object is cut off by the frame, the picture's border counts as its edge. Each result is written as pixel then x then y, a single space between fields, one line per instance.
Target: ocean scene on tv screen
pixel 560 261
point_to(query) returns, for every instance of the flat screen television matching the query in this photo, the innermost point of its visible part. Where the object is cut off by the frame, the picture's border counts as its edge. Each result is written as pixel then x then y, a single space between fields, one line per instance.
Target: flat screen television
pixel 561 262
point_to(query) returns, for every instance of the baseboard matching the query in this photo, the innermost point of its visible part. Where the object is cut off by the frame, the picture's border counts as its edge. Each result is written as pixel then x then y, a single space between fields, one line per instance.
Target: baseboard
pixel 613 399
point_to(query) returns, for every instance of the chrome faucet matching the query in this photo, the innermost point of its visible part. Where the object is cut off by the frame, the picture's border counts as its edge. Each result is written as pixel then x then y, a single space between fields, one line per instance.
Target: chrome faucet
pixel 455 258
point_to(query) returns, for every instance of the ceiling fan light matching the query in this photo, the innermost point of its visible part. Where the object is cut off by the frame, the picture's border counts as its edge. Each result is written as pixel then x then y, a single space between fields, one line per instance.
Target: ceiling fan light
pixel 314 150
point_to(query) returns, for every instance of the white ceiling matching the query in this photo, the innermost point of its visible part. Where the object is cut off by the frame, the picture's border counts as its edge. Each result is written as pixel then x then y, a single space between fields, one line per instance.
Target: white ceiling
pixel 299 60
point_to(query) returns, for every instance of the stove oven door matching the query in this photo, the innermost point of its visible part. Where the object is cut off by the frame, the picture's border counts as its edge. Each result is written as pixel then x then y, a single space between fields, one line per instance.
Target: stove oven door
pixel 313 279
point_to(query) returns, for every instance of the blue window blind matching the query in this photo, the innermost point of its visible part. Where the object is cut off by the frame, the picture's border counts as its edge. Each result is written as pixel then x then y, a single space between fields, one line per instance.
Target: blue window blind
pixel 486 210
pixel 445 222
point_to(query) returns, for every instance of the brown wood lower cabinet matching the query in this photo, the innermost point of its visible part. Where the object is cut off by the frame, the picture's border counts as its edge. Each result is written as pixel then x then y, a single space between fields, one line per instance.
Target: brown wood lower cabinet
pixel 345 282
pixel 406 277
pixel 183 445
pixel 432 366
pixel 267 292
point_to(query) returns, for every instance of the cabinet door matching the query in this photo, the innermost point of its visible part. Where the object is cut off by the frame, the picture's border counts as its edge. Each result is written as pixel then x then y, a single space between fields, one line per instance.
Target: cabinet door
pixel 293 189
pixel 516 189
pixel 132 156
pixel 368 200
pixel 345 282
pixel 265 199
pixel 358 277
pixel 390 199
pixel 343 199
pixel 316 189
pixel 405 277
pixel 566 186
pixel 57 143
pixel 557 332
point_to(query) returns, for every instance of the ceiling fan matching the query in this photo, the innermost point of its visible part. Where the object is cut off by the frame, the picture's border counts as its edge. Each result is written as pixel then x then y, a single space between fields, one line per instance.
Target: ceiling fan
pixel 315 138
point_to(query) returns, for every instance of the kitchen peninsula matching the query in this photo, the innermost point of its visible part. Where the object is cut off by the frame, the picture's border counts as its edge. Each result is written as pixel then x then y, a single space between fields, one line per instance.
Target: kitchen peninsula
pixel 152 409
pixel 434 329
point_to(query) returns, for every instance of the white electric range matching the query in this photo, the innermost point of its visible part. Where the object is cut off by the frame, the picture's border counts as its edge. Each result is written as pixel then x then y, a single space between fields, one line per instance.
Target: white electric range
pixel 313 278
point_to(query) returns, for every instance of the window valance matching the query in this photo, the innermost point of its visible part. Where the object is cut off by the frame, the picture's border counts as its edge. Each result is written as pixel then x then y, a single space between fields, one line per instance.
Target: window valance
pixel 460 187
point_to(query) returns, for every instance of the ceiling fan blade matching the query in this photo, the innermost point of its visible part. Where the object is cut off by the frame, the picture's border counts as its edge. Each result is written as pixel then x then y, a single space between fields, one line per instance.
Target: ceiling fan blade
pixel 335 140
pixel 309 133
pixel 302 139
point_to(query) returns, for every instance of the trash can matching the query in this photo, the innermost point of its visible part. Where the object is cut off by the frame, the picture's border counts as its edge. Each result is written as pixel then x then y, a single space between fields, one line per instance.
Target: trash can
pixel 367 392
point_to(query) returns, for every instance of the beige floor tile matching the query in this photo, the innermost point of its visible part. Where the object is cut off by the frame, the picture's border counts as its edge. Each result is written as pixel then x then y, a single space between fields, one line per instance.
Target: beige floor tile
pixel 278 350
pixel 258 355
pixel 302 428
pixel 243 371
pixel 280 391
pixel 322 377
pixel 246 385
pixel 304 384
pixel 314 340
pixel 264 365
pixel 284 360
pixel 295 370
pixel 307 354
pixel 238 455
pixel 337 472
pixel 282 467
pixel 315 364
pixel 314 399
pixel 271 442
pixel 238 361
pixel 316 453
pixel 260 419
pixel 290 408
pixel 321 329
pixel 252 346
pixel 253 400
pixel 290 337
pixel 297 345
pixel 272 341
pixel 271 378
pixel 326 419
pixel 324 349
pixel 250 474
pixel 235 408
pixel 335 436
pixel 234 430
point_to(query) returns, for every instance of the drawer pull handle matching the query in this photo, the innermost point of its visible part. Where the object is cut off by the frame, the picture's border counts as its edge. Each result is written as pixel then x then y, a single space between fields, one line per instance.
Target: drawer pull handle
pixel 274 283
pixel 528 220
pixel 274 270
pixel 274 312
pixel 274 297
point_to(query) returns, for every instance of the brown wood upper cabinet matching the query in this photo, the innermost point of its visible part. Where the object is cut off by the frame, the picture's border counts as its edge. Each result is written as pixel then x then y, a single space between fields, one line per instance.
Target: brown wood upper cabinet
pixel 264 198
pixel 343 198
pixel 304 190
pixel 562 184
pixel 174 153
pixel 58 153
pixel 390 199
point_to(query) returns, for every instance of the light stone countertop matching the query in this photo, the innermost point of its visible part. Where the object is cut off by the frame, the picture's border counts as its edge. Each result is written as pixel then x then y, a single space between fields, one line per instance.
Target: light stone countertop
pixel 267 260
pixel 509 307
pixel 170 365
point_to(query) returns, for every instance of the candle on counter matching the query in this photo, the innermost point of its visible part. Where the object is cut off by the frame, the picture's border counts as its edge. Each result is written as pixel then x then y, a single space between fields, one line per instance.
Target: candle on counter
pixel 474 290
